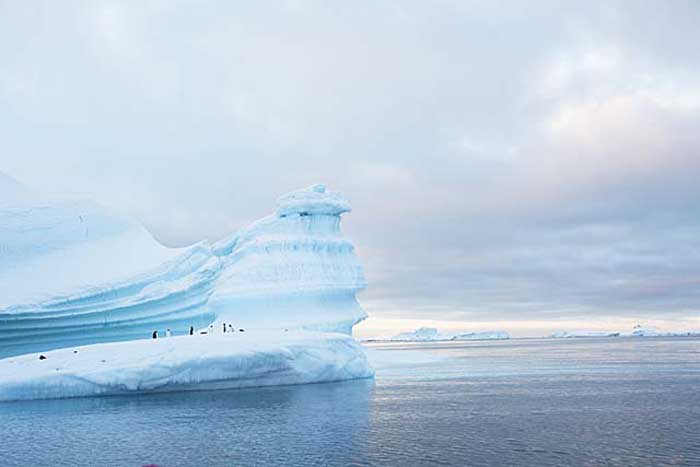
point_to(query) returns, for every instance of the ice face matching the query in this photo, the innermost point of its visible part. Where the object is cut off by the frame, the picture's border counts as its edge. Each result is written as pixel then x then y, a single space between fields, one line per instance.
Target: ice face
pixel 73 272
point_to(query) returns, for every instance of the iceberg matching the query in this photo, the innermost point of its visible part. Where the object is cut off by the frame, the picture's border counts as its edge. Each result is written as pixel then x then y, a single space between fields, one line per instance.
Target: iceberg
pixel 645 331
pixel 420 335
pixel 426 334
pixel 74 274
pixel 650 331
pixel 571 334
pixel 466 336
pixel 637 331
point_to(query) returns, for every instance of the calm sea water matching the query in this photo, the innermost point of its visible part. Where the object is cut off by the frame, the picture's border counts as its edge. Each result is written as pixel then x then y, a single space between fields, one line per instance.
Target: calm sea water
pixel 573 402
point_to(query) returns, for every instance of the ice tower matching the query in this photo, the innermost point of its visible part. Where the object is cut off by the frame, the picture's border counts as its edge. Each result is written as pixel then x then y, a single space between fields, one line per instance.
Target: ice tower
pixel 293 268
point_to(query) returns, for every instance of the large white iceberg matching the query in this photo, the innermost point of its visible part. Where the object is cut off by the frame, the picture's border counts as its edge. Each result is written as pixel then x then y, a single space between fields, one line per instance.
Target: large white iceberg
pixel 74 273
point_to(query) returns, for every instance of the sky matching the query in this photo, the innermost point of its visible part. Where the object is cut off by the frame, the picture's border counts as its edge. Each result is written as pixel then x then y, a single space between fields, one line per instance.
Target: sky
pixel 527 166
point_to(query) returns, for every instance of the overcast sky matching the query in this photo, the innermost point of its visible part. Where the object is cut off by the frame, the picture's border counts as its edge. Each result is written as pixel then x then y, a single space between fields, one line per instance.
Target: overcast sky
pixel 527 165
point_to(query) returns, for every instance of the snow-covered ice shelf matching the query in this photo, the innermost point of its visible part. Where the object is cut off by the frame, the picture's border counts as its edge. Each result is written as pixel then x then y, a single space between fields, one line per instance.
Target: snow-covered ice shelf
pixel 219 361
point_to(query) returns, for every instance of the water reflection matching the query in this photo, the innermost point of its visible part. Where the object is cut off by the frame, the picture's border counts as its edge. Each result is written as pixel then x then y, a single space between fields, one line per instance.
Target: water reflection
pixel 293 425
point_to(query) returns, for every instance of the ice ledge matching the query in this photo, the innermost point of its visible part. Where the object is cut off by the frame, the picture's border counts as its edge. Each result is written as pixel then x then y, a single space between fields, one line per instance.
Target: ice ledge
pixel 223 361
pixel 312 200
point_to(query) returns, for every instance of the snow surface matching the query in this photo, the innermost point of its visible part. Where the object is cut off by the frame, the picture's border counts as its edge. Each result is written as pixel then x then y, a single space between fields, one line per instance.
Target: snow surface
pixel 52 247
pixel 426 334
pixel 73 273
pixel 218 361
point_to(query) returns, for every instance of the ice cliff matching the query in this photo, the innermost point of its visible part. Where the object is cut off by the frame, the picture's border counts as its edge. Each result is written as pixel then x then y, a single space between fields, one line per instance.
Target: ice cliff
pixel 74 273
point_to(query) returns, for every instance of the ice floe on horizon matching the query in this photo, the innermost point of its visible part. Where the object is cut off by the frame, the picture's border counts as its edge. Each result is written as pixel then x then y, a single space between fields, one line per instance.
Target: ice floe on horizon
pixel 428 334
pixel 638 331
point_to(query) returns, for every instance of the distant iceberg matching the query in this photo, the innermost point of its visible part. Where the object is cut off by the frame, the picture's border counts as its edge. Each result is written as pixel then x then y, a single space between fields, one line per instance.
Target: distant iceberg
pixel 468 336
pixel 421 334
pixel 637 331
pixel 570 334
pixel 650 331
pixel 73 273
pixel 426 334
pixel 645 331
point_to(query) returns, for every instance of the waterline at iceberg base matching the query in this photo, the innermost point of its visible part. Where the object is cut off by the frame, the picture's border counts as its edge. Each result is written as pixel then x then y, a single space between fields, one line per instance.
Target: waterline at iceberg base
pixel 86 288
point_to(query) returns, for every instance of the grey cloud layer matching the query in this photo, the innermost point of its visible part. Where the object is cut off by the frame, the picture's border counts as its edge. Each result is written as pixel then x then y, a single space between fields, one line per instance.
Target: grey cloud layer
pixel 530 160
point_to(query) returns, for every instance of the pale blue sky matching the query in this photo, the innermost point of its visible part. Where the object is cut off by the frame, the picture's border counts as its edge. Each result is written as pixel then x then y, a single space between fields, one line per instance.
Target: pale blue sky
pixel 515 162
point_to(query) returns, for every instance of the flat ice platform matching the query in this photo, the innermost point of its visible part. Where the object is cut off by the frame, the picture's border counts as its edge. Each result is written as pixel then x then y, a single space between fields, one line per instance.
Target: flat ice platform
pixel 220 361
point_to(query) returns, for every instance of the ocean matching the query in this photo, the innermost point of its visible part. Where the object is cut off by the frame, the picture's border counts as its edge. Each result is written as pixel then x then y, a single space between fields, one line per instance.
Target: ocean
pixel 519 402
